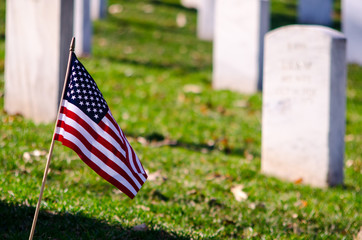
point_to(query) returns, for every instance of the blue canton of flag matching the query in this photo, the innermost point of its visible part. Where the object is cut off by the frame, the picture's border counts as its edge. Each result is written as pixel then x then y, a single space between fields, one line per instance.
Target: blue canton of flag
pixel 83 92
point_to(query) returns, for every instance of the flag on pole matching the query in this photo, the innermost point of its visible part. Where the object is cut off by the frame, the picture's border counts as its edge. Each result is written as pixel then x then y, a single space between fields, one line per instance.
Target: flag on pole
pixel 86 125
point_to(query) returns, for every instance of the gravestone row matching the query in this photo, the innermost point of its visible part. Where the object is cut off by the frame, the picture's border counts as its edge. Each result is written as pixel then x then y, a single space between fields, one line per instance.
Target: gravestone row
pixel 304 83
pixel 304 75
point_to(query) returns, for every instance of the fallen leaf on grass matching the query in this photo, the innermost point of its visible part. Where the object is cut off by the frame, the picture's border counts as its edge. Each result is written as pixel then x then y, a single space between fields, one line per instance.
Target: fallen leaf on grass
pixel 191 192
pixel 241 103
pixel 298 181
pixel 26 203
pixel 117 191
pixel 181 20
pixel 359 235
pixel 191 88
pixel 115 217
pixel 115 8
pixel 349 163
pixel 218 177
pixel 29 156
pixel 148 8
pixel 249 232
pixel 156 143
pixel 349 138
pixel 144 208
pixel 142 141
pixel 302 204
pixel 156 176
pixel 248 156
pixel 239 194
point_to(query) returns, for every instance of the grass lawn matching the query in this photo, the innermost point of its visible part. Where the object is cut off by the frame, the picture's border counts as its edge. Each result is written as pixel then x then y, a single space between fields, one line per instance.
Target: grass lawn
pixel 195 142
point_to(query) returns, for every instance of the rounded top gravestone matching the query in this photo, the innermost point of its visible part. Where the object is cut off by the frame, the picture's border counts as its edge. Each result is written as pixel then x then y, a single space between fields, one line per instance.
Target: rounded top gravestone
pixel 304 104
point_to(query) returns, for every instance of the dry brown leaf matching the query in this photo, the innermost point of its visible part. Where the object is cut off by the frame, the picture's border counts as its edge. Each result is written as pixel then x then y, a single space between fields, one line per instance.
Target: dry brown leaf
pixel 29 156
pixel 239 194
pixel 298 181
pixel 115 8
pixel 148 8
pixel 191 192
pixel 359 235
pixel 303 203
pixel 117 218
pixel 191 88
pixel 142 140
pixel 156 176
pixel 181 20
pixel 144 208
pixel 349 138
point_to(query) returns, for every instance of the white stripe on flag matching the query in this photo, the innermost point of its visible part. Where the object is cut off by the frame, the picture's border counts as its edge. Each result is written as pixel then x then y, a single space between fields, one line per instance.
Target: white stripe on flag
pixel 95 127
pixel 99 146
pixel 129 148
pixel 95 159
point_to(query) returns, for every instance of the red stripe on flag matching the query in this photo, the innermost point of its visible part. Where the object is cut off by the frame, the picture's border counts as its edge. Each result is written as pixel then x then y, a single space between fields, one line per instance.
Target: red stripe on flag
pixel 94 166
pixel 135 159
pixel 111 119
pixel 70 114
pixel 98 153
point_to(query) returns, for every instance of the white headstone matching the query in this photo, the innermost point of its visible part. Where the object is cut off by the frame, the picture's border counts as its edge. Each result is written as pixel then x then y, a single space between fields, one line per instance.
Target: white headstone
pixel 352 28
pixel 98 9
pixel 205 19
pixel 318 12
pixel 239 32
pixel 190 3
pixel 38 34
pixel 304 97
pixel 82 27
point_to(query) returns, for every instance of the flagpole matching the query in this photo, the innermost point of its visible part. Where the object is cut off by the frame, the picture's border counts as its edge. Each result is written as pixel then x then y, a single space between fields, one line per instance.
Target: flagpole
pixel 71 49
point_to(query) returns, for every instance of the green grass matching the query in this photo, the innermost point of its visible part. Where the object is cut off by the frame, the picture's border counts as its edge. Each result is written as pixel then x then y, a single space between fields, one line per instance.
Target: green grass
pixel 203 142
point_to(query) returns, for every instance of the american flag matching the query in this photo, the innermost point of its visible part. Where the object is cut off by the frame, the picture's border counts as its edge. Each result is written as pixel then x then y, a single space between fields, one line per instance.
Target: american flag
pixel 86 125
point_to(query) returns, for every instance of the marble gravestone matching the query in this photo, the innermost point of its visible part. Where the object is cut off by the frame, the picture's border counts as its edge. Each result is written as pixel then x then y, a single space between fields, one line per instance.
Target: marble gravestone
pixel 98 9
pixel 38 34
pixel 82 27
pixel 352 28
pixel 315 12
pixel 304 98
pixel 239 32
pixel 205 19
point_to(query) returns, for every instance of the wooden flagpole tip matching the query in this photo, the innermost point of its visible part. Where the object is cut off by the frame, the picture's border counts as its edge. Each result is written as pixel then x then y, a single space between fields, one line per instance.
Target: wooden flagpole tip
pixel 72 45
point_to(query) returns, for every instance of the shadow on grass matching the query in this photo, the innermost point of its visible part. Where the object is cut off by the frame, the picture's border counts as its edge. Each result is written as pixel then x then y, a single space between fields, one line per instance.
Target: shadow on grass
pixel 16 220
pixel 178 67
pixel 149 26
pixel 172 5
pixel 158 140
